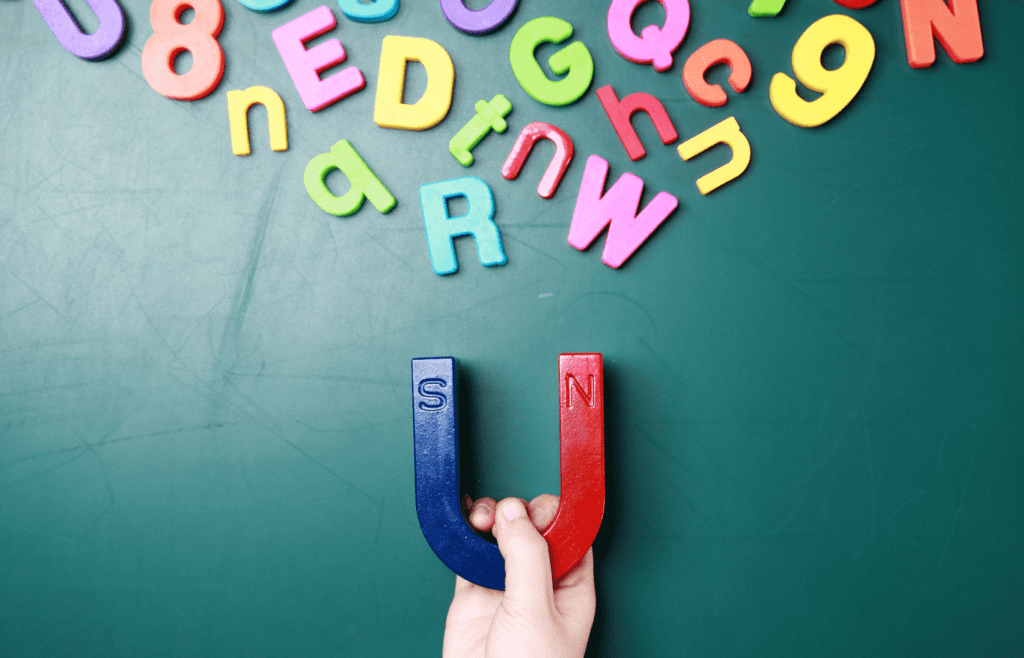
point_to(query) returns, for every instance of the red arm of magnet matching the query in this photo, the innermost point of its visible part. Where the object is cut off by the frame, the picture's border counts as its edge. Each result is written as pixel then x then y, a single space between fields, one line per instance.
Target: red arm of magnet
pixel 581 440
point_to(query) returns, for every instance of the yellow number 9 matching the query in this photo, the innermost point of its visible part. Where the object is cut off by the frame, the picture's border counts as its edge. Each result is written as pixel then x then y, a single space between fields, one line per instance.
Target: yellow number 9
pixel 837 87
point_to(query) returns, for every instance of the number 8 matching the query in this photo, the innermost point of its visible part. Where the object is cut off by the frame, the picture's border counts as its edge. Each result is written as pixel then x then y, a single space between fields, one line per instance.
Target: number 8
pixel 172 37
pixel 837 87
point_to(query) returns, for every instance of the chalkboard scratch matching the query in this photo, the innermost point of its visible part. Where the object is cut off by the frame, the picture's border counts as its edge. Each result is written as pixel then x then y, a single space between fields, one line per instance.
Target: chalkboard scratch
pixel 98 444
pixel 682 497
pixel 878 170
pixel 510 236
pixel 815 305
pixel 53 638
pixel 43 472
pixel 35 292
pixel 892 516
pixel 663 363
pixel 960 506
pixel 380 524
pixel 233 327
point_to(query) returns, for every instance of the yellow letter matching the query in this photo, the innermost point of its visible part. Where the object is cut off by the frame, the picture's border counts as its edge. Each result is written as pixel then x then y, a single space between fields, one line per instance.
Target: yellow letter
pixel 239 103
pixel 727 132
pixel 428 111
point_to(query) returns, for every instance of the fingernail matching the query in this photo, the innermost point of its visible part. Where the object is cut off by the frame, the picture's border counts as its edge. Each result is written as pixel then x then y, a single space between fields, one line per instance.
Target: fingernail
pixel 513 510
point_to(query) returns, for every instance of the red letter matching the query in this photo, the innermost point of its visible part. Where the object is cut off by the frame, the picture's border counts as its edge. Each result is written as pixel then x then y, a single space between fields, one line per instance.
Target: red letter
pixel 719 51
pixel 524 145
pixel 619 113
pixel 956 26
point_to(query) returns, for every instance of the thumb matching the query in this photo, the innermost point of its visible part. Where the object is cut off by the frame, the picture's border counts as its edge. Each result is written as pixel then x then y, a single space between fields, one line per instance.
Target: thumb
pixel 528 585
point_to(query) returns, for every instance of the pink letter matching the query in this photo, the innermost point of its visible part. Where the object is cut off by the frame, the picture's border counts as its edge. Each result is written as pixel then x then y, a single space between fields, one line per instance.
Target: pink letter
pixel 618 207
pixel 304 66
pixel 654 45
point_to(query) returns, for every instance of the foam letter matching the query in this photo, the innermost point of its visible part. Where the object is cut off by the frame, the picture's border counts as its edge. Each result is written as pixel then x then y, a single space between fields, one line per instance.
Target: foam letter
pixel 364 183
pixel 574 59
pixel 618 207
pixel 727 132
pixel 304 66
pixel 524 145
pixel 619 113
pixel 719 51
pixel 489 116
pixel 479 22
pixel 654 45
pixel 389 111
pixel 264 5
pixel 855 4
pixel 837 87
pixel 101 43
pixel 239 103
pixel 377 11
pixel 955 25
pixel 478 222
pixel 765 8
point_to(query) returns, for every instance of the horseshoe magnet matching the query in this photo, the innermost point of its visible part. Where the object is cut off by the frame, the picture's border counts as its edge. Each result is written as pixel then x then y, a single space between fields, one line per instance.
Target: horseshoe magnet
pixel 581 441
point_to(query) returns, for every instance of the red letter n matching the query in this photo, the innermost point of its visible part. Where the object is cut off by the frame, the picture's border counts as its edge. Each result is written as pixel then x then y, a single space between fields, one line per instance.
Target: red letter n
pixel 956 26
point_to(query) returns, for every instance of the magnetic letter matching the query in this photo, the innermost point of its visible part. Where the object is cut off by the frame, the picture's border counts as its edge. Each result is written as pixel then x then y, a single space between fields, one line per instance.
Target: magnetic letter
pixel 654 45
pixel 264 5
pixel 855 4
pixel 719 51
pixel 581 469
pixel 837 87
pixel 479 22
pixel 765 8
pixel 955 25
pixel 574 59
pixel 377 11
pixel 304 66
pixel 727 132
pixel 524 145
pixel 478 222
pixel 489 116
pixel 171 36
pixel 102 43
pixel 619 113
pixel 239 103
pixel 364 183
pixel 618 207
pixel 389 111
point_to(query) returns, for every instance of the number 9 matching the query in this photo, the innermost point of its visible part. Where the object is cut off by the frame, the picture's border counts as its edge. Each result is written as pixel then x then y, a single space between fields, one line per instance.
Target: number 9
pixel 837 87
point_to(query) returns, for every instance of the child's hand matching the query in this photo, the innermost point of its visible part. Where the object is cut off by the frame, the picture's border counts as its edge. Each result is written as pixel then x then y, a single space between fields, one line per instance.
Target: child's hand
pixel 530 618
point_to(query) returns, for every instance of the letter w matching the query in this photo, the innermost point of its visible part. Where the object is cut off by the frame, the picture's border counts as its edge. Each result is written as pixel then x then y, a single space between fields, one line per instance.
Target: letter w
pixel 618 207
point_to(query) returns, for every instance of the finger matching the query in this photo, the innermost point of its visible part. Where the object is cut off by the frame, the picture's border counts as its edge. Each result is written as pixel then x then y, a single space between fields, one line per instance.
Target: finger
pixel 574 596
pixel 527 564
pixel 542 511
pixel 462 585
pixel 481 514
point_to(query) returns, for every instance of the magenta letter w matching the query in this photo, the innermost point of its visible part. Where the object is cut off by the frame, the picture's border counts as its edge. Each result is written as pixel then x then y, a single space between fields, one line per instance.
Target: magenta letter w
pixel 618 207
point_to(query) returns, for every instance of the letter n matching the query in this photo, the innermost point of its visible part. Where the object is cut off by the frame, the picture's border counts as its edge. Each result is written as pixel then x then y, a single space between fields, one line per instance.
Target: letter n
pixel 955 25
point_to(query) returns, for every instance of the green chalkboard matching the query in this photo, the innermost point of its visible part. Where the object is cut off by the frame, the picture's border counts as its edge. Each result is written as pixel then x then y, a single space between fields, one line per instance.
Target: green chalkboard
pixel 814 389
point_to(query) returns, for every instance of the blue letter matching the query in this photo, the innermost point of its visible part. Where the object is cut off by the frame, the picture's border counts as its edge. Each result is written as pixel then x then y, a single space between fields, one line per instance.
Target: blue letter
pixel 478 222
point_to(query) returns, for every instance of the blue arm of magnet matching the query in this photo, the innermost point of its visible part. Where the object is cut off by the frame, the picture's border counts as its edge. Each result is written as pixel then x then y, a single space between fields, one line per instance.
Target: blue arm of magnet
pixel 436 439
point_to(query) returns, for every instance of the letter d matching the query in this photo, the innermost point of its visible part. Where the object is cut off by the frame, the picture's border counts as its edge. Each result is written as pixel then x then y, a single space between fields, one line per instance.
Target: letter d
pixel 389 110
